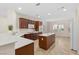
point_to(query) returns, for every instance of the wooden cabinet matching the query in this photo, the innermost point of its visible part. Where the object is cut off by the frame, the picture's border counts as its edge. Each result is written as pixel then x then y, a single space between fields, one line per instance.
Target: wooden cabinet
pixel 37 24
pixel 30 22
pixel 45 42
pixel 32 36
pixel 23 23
pixel 29 36
pixel 25 50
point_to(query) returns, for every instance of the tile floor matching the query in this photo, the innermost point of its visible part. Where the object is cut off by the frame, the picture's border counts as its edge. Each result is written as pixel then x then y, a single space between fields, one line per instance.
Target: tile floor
pixel 61 47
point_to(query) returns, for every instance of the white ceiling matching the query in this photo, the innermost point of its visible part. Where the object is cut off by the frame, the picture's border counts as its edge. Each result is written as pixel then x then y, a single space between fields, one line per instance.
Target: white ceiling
pixel 42 10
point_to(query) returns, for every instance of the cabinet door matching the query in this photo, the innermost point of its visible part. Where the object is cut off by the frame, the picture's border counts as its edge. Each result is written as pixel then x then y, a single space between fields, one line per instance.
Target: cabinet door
pixel 36 25
pixel 43 42
pixel 25 50
pixel 28 36
pixel 23 23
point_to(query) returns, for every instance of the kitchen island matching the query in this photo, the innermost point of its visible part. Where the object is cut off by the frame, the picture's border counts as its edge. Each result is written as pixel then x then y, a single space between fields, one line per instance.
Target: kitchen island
pixel 46 40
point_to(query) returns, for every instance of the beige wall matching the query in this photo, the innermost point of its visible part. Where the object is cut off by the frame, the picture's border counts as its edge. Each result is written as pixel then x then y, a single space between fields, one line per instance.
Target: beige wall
pixel 3 25
pixel 10 19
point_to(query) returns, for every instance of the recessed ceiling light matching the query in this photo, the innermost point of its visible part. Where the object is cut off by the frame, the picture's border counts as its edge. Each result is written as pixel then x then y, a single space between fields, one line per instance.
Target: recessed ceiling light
pixel 49 13
pixel 39 16
pixel 19 8
pixel 64 9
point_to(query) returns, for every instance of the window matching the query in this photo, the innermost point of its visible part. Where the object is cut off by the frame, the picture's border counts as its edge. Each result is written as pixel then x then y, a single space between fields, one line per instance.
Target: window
pixel 58 27
pixel 61 27
pixel 55 27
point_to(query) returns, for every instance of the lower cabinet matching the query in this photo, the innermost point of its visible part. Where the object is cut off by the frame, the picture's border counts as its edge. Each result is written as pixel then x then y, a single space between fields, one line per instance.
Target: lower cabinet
pixel 45 42
pixel 32 36
pixel 25 50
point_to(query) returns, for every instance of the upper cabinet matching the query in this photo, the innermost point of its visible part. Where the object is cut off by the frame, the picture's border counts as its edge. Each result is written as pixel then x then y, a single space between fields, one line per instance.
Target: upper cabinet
pixel 23 23
pixel 30 21
pixel 37 24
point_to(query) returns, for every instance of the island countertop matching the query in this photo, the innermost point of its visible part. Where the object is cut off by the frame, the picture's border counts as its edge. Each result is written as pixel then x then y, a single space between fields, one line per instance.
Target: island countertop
pixel 46 34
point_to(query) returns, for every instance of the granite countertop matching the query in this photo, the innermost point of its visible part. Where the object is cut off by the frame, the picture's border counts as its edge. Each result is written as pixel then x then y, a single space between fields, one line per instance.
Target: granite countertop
pixel 25 31
pixel 7 38
pixel 46 34
pixel 15 37
pixel 22 42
